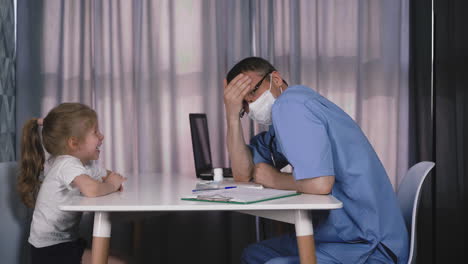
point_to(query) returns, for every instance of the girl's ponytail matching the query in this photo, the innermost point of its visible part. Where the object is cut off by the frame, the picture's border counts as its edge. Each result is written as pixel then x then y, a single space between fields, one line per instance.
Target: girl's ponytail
pixel 32 163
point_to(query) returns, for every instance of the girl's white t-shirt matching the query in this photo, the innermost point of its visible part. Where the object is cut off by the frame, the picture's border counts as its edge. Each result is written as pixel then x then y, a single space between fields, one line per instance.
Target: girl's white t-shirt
pixel 50 225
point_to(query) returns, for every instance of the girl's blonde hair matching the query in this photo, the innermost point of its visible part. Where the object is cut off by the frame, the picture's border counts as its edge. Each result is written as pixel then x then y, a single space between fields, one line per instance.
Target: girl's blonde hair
pixel 61 123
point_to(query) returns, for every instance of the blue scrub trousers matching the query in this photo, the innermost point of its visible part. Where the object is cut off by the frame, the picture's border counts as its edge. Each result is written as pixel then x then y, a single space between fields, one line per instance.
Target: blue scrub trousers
pixel 283 250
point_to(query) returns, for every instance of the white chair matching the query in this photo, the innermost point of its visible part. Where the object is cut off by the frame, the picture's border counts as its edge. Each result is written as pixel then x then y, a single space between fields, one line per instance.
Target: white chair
pixel 408 197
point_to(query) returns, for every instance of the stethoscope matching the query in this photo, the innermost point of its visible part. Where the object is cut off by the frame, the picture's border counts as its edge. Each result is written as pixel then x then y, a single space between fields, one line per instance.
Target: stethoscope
pixel 270 146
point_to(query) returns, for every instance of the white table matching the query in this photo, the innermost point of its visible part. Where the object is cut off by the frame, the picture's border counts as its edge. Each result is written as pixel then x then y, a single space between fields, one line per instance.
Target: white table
pixel 162 193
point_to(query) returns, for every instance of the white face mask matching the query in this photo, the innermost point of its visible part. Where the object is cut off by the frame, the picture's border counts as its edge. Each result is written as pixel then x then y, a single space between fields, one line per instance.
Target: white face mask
pixel 260 110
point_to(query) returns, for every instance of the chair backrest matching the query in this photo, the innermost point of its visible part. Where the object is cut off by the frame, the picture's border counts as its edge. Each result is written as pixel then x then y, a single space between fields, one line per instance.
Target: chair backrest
pixel 408 196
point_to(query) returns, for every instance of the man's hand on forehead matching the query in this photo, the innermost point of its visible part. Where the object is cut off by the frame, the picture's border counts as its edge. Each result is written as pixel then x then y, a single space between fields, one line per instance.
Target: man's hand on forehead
pixel 234 94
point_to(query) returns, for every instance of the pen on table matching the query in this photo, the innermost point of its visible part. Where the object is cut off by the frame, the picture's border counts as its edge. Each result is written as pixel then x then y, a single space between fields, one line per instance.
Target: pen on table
pixel 212 189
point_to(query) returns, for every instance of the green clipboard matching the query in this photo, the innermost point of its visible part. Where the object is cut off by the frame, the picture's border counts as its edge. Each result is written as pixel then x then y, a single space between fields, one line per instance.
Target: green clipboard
pixel 239 195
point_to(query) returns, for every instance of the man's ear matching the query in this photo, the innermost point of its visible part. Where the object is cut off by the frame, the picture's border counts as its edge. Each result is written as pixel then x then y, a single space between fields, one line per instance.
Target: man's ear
pixel 73 143
pixel 277 79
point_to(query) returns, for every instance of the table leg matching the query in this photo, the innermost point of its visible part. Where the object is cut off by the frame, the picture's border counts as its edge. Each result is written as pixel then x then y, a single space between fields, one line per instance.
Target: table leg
pixel 305 237
pixel 137 234
pixel 101 238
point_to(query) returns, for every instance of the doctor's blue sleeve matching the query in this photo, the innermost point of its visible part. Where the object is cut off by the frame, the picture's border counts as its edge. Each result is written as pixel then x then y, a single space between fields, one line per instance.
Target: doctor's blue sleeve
pixel 302 131
pixel 259 148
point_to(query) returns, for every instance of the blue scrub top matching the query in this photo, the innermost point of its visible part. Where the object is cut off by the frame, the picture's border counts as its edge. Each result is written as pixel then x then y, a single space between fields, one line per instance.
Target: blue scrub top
pixel 317 138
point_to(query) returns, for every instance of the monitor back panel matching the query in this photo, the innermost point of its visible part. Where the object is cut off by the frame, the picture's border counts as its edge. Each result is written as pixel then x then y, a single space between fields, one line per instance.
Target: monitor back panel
pixel 200 144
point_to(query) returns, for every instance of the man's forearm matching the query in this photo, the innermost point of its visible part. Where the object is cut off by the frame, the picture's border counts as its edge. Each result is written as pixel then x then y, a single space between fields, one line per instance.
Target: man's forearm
pixel 284 181
pixel 241 158
pixel 270 177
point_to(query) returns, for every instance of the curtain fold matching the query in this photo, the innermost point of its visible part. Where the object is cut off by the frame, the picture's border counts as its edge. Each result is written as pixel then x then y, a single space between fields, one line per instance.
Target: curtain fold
pixel 421 120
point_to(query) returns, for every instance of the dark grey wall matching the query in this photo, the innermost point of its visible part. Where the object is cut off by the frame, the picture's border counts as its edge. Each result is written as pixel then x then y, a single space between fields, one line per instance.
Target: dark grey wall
pixel 28 59
pixel 7 81
pixel 14 218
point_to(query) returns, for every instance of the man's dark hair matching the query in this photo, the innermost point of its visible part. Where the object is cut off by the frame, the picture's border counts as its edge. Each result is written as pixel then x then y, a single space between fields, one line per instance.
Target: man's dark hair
pixel 255 64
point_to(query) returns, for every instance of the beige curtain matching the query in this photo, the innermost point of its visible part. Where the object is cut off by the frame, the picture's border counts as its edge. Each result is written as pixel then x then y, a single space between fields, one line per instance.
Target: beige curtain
pixel 355 53
pixel 145 65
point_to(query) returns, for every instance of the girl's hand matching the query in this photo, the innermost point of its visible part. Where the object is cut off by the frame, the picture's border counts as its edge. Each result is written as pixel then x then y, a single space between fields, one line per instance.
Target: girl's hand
pixel 115 179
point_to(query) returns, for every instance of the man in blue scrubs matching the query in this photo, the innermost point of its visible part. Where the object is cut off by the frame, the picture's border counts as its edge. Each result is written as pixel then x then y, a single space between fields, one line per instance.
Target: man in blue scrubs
pixel 328 153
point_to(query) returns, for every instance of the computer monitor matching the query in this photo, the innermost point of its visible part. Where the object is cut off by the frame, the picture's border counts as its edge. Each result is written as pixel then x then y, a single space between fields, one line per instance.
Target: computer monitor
pixel 201 147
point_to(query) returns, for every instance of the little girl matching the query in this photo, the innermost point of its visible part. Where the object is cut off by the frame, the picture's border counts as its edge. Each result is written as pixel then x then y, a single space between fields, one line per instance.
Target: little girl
pixel 71 135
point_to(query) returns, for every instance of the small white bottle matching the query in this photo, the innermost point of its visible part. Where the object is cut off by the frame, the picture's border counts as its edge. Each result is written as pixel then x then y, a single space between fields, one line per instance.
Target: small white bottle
pixel 218 174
